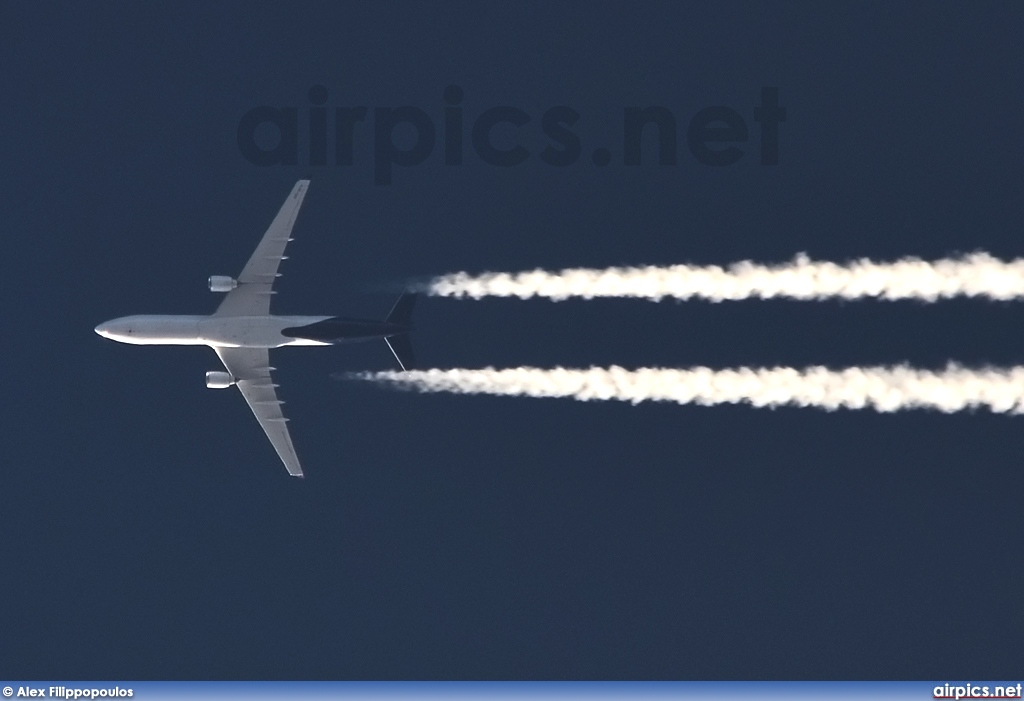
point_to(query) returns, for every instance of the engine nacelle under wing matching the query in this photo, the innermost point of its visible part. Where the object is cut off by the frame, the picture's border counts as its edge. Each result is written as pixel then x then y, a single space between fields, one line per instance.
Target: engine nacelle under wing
pixel 222 283
pixel 215 379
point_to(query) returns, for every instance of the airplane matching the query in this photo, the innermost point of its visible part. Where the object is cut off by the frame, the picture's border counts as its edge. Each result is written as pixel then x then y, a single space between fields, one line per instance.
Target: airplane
pixel 242 330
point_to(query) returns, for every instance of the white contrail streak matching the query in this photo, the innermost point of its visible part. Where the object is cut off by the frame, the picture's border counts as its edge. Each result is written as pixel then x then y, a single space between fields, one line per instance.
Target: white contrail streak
pixel 884 389
pixel 975 275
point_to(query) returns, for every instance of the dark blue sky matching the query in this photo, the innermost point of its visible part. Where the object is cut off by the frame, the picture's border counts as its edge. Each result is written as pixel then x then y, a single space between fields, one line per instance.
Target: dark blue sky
pixel 150 532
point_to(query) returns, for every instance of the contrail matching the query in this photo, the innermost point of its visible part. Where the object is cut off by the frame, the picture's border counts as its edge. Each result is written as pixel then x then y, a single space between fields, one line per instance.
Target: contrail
pixel 975 275
pixel 884 389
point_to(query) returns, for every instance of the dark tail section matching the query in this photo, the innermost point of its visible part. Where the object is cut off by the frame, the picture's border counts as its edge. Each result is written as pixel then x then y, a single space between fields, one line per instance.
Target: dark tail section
pixel 401 313
pixel 400 344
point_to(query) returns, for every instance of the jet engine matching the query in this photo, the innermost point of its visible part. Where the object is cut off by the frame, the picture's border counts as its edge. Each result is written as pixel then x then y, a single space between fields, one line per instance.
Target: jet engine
pixel 222 283
pixel 219 380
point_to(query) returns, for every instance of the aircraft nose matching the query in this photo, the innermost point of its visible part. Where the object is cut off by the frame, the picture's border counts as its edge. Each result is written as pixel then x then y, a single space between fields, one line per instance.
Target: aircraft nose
pixel 103 329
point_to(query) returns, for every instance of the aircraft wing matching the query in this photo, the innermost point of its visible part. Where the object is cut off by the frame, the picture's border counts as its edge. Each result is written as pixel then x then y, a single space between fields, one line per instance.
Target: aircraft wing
pixel 252 295
pixel 251 369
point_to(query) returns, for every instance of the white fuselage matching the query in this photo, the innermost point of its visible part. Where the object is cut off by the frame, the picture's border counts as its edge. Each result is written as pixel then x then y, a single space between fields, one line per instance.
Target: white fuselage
pixel 213 331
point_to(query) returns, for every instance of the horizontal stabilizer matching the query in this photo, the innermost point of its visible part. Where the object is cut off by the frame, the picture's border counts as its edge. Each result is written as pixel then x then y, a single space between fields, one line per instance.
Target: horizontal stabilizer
pixel 401 346
pixel 401 313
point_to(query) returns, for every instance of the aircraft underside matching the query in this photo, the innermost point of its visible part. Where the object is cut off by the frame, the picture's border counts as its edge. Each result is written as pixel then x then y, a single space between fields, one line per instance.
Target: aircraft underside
pixel 242 330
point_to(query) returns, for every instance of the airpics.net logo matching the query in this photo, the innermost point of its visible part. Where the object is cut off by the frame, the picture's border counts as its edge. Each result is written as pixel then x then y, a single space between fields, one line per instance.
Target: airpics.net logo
pixel 977 691
pixel 715 136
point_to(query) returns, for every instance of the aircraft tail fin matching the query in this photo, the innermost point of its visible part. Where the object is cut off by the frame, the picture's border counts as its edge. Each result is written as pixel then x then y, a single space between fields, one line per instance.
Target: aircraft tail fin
pixel 401 346
pixel 401 313
pixel 399 343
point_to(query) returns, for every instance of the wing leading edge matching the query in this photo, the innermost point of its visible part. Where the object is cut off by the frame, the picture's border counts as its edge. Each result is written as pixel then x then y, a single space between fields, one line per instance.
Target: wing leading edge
pixel 251 369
